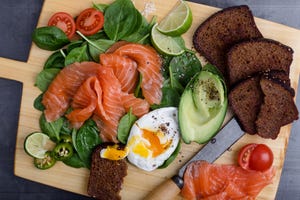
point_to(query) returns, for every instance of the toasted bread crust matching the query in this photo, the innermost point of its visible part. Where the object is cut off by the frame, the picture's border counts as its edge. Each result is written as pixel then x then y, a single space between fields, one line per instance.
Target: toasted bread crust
pixel 264 103
pixel 222 30
pixel 245 100
pixel 106 177
pixel 261 55
pixel 277 110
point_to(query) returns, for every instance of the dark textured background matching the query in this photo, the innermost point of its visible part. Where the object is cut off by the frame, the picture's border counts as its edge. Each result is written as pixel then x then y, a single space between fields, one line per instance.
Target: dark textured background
pixel 18 19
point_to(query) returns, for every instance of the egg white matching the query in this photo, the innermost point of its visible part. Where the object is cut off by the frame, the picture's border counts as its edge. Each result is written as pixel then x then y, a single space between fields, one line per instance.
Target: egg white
pixel 163 117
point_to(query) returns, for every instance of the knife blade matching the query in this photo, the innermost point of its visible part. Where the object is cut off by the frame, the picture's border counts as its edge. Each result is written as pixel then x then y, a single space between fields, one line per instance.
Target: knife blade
pixel 223 140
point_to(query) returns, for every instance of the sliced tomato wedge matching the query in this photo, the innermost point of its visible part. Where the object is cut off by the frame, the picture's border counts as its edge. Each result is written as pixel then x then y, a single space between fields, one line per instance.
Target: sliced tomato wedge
pixel 257 157
pixel 64 21
pixel 89 21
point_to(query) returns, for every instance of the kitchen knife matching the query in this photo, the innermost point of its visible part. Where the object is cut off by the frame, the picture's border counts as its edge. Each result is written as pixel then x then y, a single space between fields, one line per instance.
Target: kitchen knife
pixel 227 136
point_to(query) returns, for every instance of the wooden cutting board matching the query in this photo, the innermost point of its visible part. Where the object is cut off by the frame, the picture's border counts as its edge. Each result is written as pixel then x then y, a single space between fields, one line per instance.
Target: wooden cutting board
pixel 137 183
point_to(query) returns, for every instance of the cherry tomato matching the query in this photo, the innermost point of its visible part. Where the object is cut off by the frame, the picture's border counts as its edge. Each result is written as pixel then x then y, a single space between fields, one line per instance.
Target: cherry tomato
pixel 64 21
pixel 89 21
pixel 257 157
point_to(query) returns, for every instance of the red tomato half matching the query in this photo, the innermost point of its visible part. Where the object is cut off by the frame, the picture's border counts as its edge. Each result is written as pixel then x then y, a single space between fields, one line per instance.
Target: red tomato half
pixel 89 21
pixel 64 21
pixel 257 157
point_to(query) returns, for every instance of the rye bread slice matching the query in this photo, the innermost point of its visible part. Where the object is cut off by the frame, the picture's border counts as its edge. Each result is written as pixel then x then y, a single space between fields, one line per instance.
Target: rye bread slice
pixel 277 109
pixel 249 57
pixel 106 176
pixel 222 30
pixel 245 100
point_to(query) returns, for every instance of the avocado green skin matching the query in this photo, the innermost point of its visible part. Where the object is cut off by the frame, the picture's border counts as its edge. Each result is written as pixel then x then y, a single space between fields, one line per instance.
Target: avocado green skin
pixel 196 124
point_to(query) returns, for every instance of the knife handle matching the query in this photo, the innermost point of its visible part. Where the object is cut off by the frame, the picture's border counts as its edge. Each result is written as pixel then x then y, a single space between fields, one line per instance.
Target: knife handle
pixel 168 190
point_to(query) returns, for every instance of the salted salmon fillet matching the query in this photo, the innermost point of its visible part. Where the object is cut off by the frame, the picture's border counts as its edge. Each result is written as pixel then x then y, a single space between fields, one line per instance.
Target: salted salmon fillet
pixel 139 106
pixel 149 65
pixel 85 101
pixel 124 68
pixel 62 89
pixel 203 180
pixel 104 91
pixel 112 104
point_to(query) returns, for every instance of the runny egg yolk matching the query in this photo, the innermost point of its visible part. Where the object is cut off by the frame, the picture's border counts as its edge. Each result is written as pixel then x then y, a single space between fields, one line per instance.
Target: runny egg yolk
pixel 155 145
pixel 114 152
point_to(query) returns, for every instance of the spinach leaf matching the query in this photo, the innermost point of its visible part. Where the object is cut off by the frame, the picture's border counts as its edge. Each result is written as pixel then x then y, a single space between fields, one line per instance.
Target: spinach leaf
pixel 171 97
pixel 184 67
pixel 78 54
pixel 37 104
pixel 52 129
pixel 101 7
pixel 55 60
pixel 102 46
pixel 74 161
pixel 125 125
pixel 99 35
pixel 73 45
pixel 65 129
pixel 49 38
pixel 121 19
pixel 87 138
pixel 45 77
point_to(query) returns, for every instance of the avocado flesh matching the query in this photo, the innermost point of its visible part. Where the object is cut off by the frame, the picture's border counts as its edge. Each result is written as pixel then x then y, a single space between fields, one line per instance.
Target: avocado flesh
pixel 202 107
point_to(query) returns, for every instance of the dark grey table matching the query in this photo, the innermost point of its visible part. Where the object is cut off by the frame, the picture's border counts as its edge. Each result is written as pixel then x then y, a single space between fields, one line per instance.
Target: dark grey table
pixel 18 19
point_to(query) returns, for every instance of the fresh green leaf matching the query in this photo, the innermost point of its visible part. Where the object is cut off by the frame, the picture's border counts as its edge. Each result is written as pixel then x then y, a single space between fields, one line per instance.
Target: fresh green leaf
pixel 171 97
pixel 55 60
pixel 37 104
pixel 45 77
pixel 137 91
pixel 184 67
pixel 125 125
pixel 74 44
pixel 99 35
pixel 121 19
pixel 49 38
pixel 87 138
pixel 101 7
pixel 78 54
pixel 74 161
pixel 102 46
pixel 52 129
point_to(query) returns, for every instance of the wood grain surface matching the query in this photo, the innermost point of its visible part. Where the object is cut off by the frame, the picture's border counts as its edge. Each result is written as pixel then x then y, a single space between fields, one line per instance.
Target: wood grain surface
pixel 135 186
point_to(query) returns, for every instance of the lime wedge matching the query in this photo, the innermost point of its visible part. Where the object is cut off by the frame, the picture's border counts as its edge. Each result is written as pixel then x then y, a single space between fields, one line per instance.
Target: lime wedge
pixel 37 144
pixel 178 21
pixel 167 44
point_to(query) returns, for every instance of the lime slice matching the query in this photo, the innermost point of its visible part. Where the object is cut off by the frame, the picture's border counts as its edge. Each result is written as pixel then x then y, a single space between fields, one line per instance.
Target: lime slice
pixel 167 44
pixel 37 144
pixel 178 21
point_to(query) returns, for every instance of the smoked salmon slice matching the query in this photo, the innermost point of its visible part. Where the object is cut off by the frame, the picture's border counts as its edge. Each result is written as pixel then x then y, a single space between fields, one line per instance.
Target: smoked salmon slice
pixel 124 68
pixel 139 106
pixel 62 89
pixel 149 65
pixel 203 180
pixel 85 102
pixel 113 108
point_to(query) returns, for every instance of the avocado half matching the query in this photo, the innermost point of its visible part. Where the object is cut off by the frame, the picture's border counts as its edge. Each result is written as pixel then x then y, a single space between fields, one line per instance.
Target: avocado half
pixel 203 106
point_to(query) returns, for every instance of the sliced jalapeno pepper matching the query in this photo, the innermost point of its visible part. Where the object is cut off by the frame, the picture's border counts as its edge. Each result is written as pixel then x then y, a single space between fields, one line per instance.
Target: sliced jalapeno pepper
pixel 46 162
pixel 63 151
pixel 65 138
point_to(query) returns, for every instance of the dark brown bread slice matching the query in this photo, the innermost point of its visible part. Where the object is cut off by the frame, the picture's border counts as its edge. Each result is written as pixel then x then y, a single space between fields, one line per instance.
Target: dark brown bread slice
pixel 222 30
pixel 106 176
pixel 278 109
pixel 249 57
pixel 245 100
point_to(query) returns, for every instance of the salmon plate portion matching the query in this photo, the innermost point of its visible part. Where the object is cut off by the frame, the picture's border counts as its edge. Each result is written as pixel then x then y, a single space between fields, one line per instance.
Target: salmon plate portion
pixel 203 180
pixel 105 91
